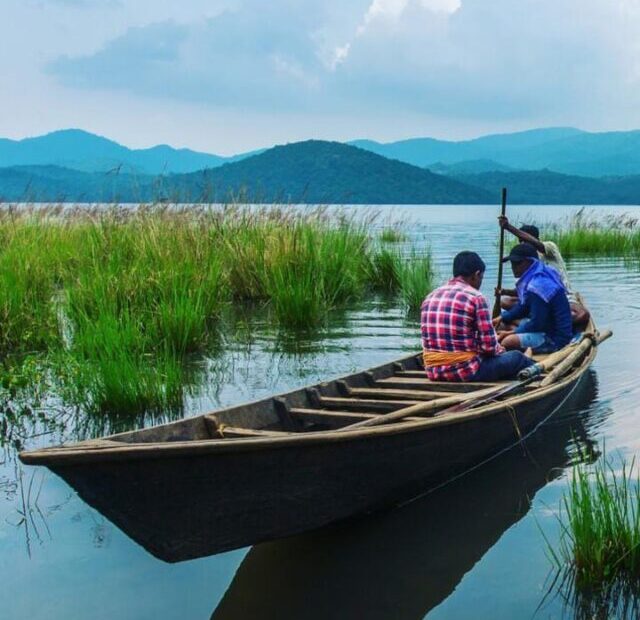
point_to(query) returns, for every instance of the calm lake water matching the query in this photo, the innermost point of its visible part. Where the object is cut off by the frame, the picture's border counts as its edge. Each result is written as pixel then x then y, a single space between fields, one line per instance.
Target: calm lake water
pixel 472 549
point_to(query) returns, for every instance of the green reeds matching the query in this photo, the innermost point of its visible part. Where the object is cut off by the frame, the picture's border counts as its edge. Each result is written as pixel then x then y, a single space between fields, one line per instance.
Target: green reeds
pixel 415 280
pixel 126 297
pixel 393 235
pixel 598 556
pixel 586 235
pixel 314 270
pixel 385 271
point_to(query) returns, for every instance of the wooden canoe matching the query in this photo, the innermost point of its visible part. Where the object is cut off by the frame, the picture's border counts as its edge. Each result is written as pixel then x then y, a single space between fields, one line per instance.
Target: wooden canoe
pixel 407 562
pixel 286 464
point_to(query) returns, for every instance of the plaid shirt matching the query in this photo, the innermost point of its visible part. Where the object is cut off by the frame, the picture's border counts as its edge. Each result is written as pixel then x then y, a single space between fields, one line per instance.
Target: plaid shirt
pixel 455 317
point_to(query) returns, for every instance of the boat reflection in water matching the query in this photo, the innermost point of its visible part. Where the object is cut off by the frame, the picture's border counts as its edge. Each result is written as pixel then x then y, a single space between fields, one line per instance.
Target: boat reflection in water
pixel 404 562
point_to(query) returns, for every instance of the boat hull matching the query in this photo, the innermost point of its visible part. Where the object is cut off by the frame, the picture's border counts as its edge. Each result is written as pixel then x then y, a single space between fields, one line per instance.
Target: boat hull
pixel 181 507
pixel 403 560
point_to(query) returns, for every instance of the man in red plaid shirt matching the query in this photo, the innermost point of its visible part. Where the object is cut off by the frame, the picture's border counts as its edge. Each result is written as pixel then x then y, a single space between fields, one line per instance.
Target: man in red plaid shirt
pixel 459 341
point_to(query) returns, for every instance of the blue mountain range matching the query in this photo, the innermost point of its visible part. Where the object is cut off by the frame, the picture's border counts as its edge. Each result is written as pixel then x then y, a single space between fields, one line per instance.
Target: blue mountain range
pixel 81 150
pixel 560 149
pixel 550 166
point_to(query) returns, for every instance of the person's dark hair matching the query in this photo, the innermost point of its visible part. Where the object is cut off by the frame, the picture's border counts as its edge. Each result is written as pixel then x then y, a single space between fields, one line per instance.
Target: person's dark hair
pixel 532 230
pixel 467 263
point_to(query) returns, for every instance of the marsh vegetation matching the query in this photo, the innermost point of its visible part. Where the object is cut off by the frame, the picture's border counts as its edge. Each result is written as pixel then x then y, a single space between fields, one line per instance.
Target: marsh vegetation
pixel 586 234
pixel 116 306
pixel 598 554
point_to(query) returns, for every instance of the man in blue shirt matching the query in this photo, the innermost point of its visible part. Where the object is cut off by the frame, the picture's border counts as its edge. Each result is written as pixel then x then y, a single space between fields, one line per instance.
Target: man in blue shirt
pixel 542 306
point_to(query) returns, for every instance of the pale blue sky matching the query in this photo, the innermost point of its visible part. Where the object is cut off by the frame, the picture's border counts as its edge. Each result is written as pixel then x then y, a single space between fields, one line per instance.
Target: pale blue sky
pixel 230 75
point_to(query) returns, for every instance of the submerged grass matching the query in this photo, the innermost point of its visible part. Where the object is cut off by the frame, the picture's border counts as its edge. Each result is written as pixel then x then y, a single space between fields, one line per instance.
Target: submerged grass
pixel 598 557
pixel 127 296
pixel 587 235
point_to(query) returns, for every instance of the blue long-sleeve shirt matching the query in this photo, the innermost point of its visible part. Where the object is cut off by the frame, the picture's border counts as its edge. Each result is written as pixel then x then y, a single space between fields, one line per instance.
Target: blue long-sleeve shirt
pixel 552 318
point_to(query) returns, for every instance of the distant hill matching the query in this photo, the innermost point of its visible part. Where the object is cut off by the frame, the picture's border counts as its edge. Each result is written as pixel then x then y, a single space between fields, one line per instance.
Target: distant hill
pixel 566 150
pixel 472 166
pixel 56 184
pixel 318 172
pixel 313 172
pixel 80 150
pixel 425 152
pixel 546 187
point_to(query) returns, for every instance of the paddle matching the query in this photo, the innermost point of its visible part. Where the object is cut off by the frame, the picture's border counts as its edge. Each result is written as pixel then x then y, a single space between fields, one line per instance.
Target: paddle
pixel 496 305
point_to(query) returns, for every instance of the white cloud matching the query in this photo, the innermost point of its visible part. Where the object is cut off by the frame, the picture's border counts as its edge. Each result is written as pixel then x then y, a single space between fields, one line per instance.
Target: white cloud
pixel 394 9
pixel 452 63
pixel 442 6
pixel 338 56
pixel 385 9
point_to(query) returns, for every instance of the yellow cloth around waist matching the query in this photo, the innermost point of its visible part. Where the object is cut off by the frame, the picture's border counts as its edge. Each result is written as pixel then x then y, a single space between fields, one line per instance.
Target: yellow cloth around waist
pixel 446 358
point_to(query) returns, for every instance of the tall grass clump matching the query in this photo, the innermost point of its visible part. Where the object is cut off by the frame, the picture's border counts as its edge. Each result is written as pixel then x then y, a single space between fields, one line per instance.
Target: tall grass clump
pixel 393 235
pixel 598 556
pixel 386 268
pixel 314 270
pixel 587 235
pixel 415 280
pixel 127 297
pixel 30 259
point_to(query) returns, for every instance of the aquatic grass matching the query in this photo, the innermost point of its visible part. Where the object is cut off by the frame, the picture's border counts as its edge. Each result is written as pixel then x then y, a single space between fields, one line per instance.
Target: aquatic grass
pixel 598 555
pixel 127 384
pixel 385 270
pixel 393 235
pixel 28 276
pixel 127 296
pixel 316 272
pixel 587 235
pixel 416 280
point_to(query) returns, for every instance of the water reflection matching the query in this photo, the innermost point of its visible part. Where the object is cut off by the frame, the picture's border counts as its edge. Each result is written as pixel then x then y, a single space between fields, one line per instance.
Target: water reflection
pixel 403 563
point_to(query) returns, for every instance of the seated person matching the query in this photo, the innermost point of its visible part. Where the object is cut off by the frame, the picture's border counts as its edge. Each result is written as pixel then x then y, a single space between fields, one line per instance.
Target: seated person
pixel 542 303
pixel 549 253
pixel 458 339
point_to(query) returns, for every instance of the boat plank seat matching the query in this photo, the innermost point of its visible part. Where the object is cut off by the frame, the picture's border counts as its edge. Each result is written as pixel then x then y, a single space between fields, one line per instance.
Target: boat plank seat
pixel 364 404
pixel 231 431
pixel 449 386
pixel 399 381
pixel 337 418
pixel 386 393
pixel 442 386
pixel 217 429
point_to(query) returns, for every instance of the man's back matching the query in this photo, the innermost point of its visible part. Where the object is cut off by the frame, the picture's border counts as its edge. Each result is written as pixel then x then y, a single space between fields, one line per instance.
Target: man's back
pixel 448 317
pixel 456 319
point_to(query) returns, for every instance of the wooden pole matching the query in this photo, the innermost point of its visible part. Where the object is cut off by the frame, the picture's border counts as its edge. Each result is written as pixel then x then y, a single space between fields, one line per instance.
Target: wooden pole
pixel 496 305
pixel 566 364
pixel 422 408
pixel 554 359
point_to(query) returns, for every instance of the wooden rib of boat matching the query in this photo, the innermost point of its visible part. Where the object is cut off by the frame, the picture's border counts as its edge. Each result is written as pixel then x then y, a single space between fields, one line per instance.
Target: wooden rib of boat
pixel 287 464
